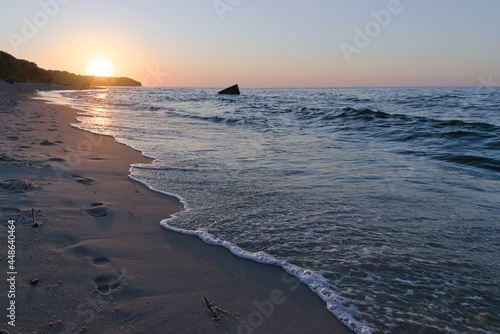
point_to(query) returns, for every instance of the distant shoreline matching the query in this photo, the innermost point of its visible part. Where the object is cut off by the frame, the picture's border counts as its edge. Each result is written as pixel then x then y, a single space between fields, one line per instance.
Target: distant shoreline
pixel 15 70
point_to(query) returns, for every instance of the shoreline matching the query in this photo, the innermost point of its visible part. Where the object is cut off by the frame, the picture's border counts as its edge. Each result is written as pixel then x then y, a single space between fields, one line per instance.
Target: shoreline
pixel 102 261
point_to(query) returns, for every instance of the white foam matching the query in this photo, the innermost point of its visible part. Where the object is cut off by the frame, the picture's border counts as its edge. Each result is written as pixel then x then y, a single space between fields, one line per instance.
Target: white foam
pixel 316 282
pixel 53 96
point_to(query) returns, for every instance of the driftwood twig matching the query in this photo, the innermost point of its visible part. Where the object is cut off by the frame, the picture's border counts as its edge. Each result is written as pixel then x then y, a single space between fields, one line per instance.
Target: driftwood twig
pixel 212 309
pixel 33 220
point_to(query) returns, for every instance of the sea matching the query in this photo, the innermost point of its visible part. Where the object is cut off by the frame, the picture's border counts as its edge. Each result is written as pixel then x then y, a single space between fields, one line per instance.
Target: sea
pixel 384 201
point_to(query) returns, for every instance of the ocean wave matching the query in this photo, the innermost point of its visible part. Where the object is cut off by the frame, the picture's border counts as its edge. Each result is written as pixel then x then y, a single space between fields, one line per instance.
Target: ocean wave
pixel 471 160
pixel 218 119
pixel 468 125
pixel 153 108
pixel 368 114
pixel 365 114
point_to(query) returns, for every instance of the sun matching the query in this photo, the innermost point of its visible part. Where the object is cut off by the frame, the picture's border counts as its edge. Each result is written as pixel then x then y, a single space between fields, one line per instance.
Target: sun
pixel 100 67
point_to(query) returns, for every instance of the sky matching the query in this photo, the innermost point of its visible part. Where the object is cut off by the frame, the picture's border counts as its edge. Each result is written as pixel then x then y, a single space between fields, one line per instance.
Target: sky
pixel 263 43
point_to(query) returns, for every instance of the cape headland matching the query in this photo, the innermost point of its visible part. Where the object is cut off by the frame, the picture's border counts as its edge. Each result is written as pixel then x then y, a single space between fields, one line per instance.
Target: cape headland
pixel 20 70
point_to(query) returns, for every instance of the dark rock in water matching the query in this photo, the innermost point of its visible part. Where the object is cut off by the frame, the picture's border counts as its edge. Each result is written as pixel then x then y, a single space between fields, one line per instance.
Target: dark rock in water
pixel 233 90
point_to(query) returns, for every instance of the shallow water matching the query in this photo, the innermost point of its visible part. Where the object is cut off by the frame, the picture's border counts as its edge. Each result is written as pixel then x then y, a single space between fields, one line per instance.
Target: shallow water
pixel 385 201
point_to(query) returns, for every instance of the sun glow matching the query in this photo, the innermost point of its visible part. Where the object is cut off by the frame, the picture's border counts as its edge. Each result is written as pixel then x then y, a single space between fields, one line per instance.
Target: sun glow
pixel 100 67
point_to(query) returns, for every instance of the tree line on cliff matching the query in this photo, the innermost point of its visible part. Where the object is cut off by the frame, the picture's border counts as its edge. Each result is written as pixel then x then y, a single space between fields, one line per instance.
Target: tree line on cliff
pixel 20 70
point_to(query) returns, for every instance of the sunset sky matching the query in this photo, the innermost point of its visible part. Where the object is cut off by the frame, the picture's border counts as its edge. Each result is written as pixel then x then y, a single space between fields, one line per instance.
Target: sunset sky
pixel 263 43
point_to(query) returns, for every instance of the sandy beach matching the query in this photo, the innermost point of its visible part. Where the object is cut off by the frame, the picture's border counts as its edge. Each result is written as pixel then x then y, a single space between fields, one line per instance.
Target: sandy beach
pixel 91 256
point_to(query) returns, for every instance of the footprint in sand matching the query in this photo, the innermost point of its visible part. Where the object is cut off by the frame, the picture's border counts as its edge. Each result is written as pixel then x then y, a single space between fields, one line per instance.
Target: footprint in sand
pixel 47 143
pixel 107 283
pixel 16 186
pixel 100 261
pixel 83 180
pixel 99 210
pixel 80 250
pixel 6 158
pixel 10 210
pixel 57 159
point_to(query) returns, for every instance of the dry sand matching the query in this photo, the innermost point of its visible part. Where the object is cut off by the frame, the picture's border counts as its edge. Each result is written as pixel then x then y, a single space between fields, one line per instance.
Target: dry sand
pixel 97 260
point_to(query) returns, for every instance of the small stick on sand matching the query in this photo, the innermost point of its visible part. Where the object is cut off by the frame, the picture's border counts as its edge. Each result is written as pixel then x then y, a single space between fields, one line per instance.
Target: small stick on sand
pixel 213 310
pixel 34 224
